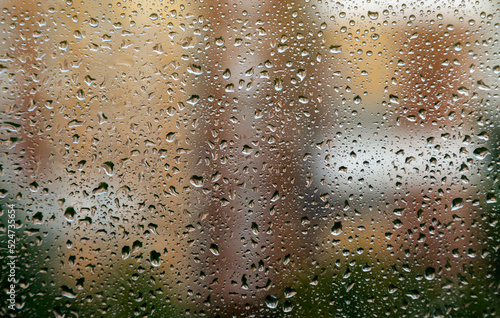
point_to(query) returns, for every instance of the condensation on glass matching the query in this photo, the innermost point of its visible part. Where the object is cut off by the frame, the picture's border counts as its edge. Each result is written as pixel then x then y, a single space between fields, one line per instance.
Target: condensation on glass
pixel 250 159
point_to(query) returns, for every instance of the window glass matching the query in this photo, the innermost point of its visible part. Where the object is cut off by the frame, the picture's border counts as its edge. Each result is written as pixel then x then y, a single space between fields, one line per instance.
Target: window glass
pixel 249 158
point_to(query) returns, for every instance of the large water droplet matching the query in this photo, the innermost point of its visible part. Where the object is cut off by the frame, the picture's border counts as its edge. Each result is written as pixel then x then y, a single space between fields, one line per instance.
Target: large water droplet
pixel 336 228
pixel 271 301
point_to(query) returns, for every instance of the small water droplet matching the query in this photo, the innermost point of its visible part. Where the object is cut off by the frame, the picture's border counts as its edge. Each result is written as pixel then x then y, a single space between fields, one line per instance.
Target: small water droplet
pixel 171 136
pixel 108 168
pixel 430 273
pixel 287 306
pixel 94 22
pixel 357 100
pixel 373 15
pixel 303 100
pixel 290 292
pixel 197 181
pixel 69 214
pixel 336 49
pixel 155 258
pixel 126 252
pixel 481 153
pixel 219 41
pixel 255 228
pixel 68 292
pixel 276 196
pixel 247 150
pixel 278 84
pixel 457 203
pixel 214 249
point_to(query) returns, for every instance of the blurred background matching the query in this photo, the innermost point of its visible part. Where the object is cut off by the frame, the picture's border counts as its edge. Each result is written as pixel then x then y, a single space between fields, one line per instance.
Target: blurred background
pixel 251 159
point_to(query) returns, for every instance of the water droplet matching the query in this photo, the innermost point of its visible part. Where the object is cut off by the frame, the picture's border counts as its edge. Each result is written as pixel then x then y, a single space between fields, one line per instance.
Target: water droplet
pixel 69 214
pixel 68 292
pixel 80 94
pixel 457 203
pixel 94 22
pixel 63 45
pixel 247 150
pixel 276 196
pixel 171 136
pixel 373 15
pixel 282 48
pixel 290 292
pixel 101 189
pixel 336 49
pixel 481 153
pixel 271 301
pixel 303 100
pixel 136 246
pixel 219 41
pixel 430 273
pixel 227 74
pixel 126 252
pixel 197 181
pixel 301 74
pixel 34 186
pixel 193 100
pixel 108 168
pixel 155 258
pixel 278 84
pixel 336 228
pixel 255 228
pixel 214 249
pixel 287 306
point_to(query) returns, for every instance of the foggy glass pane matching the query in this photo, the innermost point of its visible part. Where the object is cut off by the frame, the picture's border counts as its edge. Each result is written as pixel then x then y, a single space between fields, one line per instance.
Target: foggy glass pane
pixel 249 158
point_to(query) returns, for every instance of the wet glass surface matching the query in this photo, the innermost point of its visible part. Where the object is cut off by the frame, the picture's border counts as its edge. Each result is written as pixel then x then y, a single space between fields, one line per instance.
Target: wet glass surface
pixel 249 159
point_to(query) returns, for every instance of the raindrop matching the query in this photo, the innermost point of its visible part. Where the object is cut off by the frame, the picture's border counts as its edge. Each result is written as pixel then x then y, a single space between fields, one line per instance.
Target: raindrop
pixel 108 168
pixel 126 252
pixel 271 301
pixel 214 249
pixel 481 153
pixel 278 84
pixel 430 273
pixel 373 15
pixel 336 49
pixel 287 306
pixel 255 228
pixel 227 74
pixel 69 214
pixel 290 292
pixel 94 22
pixel 68 292
pixel 357 100
pixel 155 258
pixel 303 100
pixel 219 41
pixel 456 204
pixel 336 228
pixel 197 181
pixel 171 136
pixel 247 150
pixel 276 196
